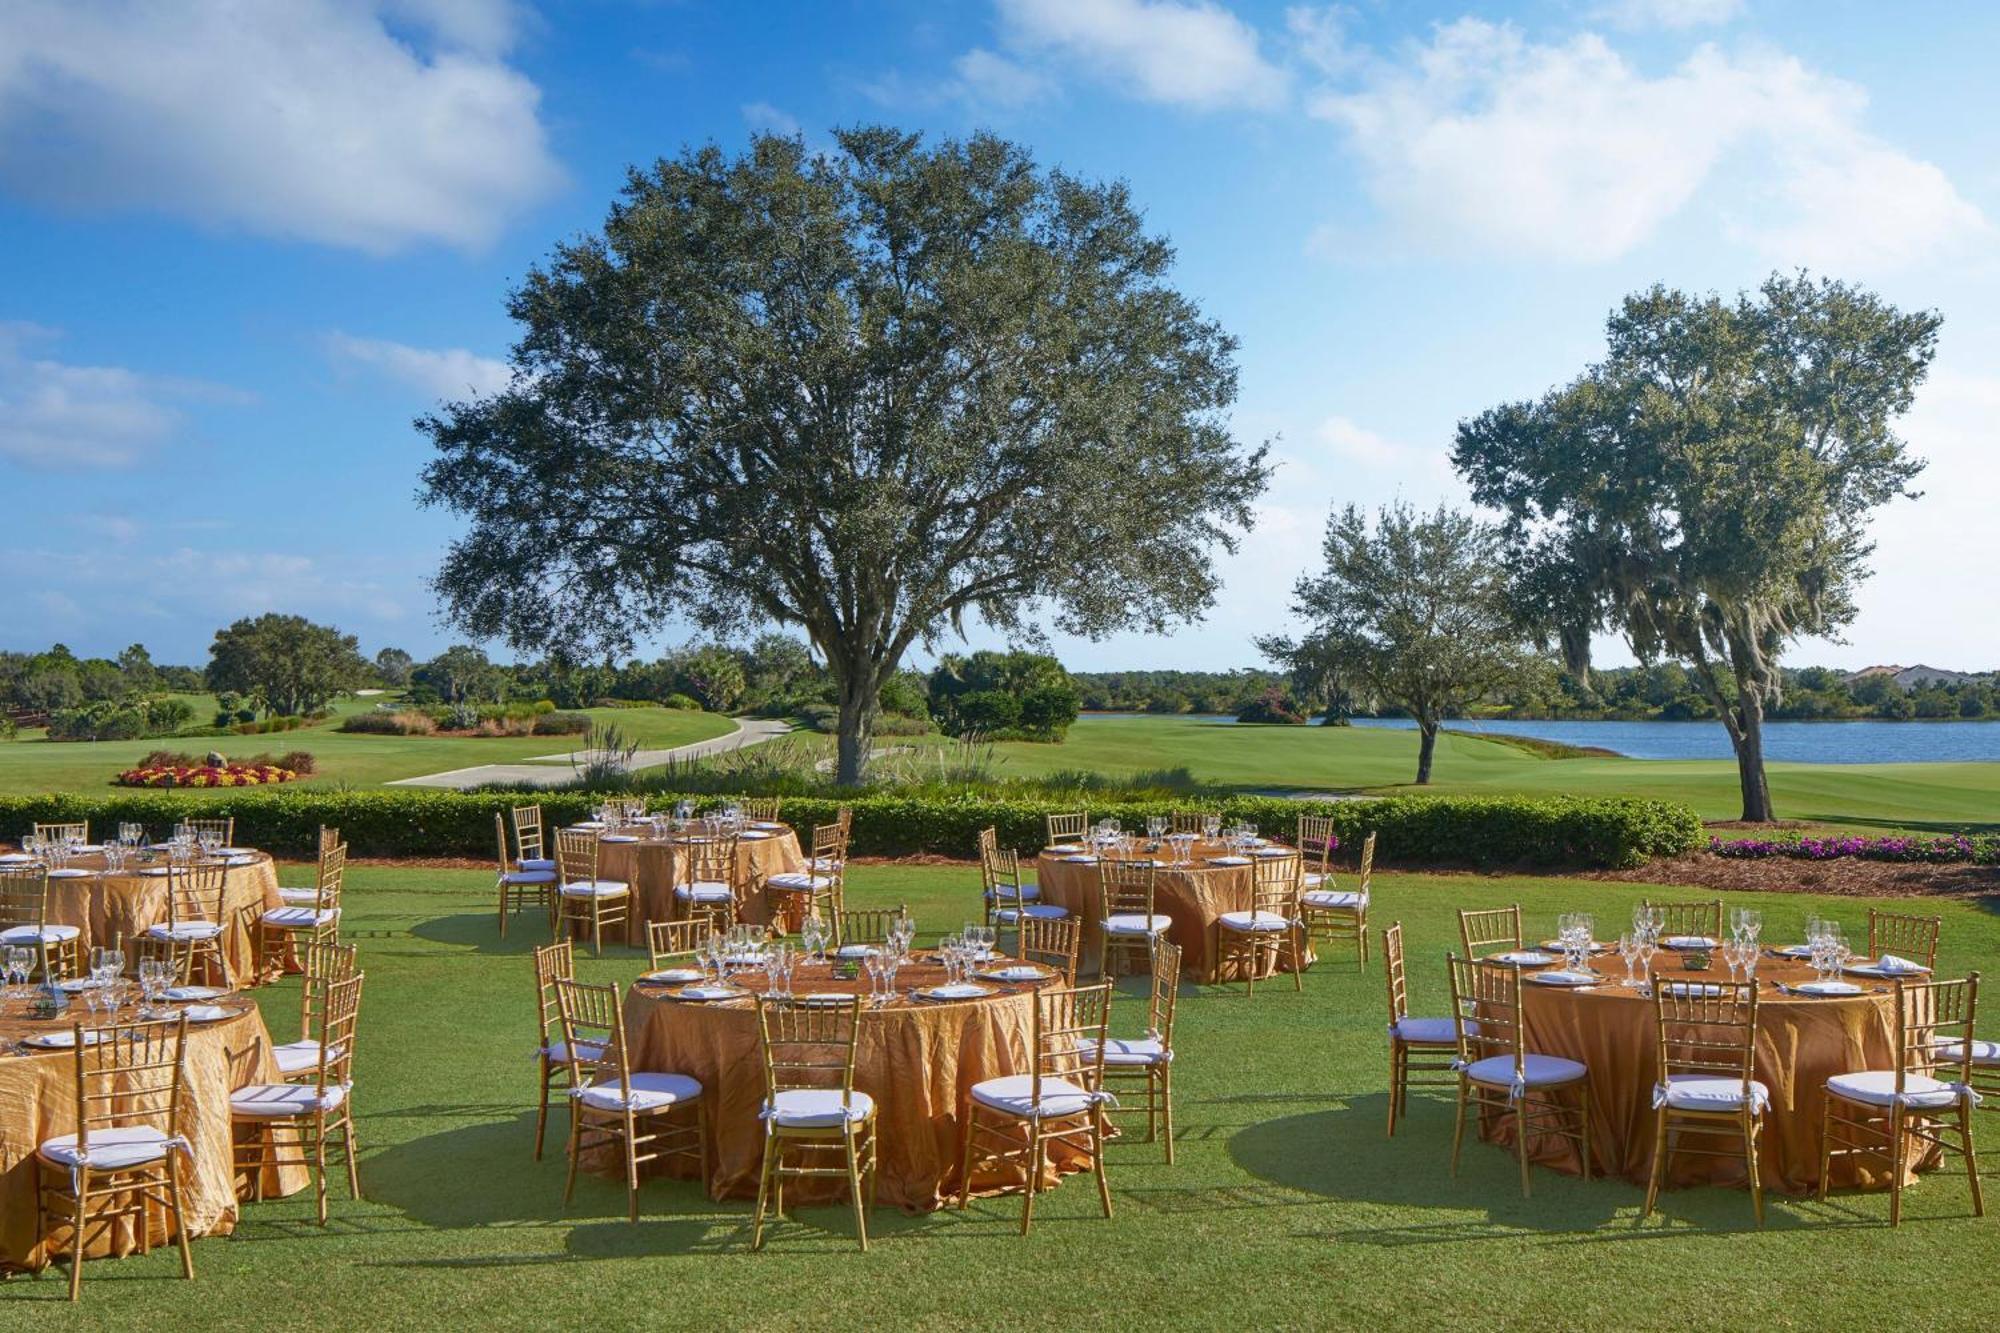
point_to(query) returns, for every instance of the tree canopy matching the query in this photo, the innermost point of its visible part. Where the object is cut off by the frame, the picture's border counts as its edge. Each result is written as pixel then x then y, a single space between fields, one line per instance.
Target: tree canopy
pixel 287 664
pixel 1705 490
pixel 1414 613
pixel 870 393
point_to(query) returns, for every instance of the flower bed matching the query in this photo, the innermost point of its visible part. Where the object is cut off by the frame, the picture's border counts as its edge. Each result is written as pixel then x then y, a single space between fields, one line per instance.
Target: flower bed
pixel 1935 851
pixel 205 775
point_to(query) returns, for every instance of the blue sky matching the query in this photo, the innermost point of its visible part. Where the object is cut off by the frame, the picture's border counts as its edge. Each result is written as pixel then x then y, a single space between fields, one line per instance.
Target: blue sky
pixel 241 246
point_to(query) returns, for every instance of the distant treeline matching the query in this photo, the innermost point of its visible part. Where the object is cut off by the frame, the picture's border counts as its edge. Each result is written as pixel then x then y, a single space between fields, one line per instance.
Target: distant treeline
pixel 1174 691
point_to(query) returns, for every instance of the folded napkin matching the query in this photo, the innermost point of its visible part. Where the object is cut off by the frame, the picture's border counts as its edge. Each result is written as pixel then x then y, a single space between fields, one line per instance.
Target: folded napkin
pixel 672 976
pixel 195 992
pixel 1229 860
pixel 856 951
pixel 207 1013
pixel 618 837
pixel 1525 958
pixel 1891 965
pixel 1827 988
pixel 1689 942
pixel 956 990
pixel 1019 972
pixel 710 992
pixel 1081 860
pixel 1564 977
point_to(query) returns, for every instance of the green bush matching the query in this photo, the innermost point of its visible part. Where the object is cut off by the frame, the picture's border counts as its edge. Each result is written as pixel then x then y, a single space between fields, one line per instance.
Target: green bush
pixel 562 724
pixel 686 703
pixel 1494 831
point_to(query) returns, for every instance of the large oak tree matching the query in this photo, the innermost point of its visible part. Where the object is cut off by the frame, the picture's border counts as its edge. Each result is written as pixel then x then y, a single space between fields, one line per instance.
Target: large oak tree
pixel 1705 489
pixel 869 392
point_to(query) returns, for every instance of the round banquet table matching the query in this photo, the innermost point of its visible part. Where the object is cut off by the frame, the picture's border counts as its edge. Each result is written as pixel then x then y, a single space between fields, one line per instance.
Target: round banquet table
pixel 918 1059
pixel 1193 895
pixel 1801 1042
pixel 38 1102
pixel 652 866
pixel 107 906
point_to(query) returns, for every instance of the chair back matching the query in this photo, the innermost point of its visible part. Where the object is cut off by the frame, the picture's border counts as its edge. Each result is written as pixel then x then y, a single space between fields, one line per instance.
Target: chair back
pixel 1316 842
pixel 1003 878
pixel 1707 1029
pixel 761 809
pixel 576 855
pixel 809 1045
pixel 1071 1023
pixel 714 861
pixel 64 832
pixel 1274 886
pixel 223 830
pixel 1905 935
pixel 128 1076
pixel 1690 918
pixel 989 843
pixel 844 819
pixel 865 925
pixel 1367 863
pixel 324 963
pixel 24 897
pixel 1187 821
pixel 194 893
pixel 1166 990
pixel 1125 887
pixel 553 963
pixel 1486 1011
pixel 1484 930
pixel 331 878
pixel 328 837
pixel 1392 962
pixel 339 1015
pixel 668 941
pixel 1066 828
pixel 528 837
pixel 593 1017
pixel 829 849
pixel 1931 1014
pixel 1052 943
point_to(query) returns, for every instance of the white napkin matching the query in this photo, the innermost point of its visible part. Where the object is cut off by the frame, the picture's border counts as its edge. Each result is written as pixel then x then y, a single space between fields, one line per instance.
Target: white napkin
pixel 1827 988
pixel 856 951
pixel 1563 977
pixel 1019 972
pixel 1689 942
pixel 956 990
pixel 1081 860
pixel 673 975
pixel 207 1013
pixel 195 992
pixel 1229 860
pixel 1891 965
pixel 710 992
pixel 1525 958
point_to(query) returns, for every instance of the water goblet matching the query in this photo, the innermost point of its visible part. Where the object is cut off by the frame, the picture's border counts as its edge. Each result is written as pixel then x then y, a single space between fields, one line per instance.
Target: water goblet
pixel 20 962
pixel 1628 950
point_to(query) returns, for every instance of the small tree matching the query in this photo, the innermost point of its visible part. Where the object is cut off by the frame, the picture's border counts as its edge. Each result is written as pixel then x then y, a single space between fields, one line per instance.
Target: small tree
pixel 394 666
pixel 712 674
pixel 1706 488
pixel 869 393
pixel 459 674
pixel 1414 613
pixel 287 664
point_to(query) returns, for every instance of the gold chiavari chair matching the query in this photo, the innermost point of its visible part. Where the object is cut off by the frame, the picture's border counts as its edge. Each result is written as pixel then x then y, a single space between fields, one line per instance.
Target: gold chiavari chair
pixel 671 942
pixel 1316 840
pixel 1497 1072
pixel 309 1112
pixel 1187 821
pixel 762 809
pixel 989 843
pixel 325 963
pixel 1922 1102
pixel 530 839
pixel 1690 921
pixel 1906 936
pixel 865 925
pixel 126 1156
pixel 812 1113
pixel 553 963
pixel 1149 1060
pixel 1273 923
pixel 1052 943
pixel 192 932
pixel 641 1112
pixel 1008 899
pixel 711 888
pixel 25 924
pixel 308 895
pixel 1489 930
pixel 519 887
pixel 295 925
pixel 222 830
pixel 79 832
pixel 808 892
pixel 1706 1038
pixel 1066 830
pixel 585 900
pixel 844 818
pixel 1130 925
pixel 831 858
pixel 1338 918
pixel 1060 1100
pixel 1421 1046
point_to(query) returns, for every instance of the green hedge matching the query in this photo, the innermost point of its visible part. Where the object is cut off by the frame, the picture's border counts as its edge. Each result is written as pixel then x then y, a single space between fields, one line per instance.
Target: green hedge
pixel 1484 831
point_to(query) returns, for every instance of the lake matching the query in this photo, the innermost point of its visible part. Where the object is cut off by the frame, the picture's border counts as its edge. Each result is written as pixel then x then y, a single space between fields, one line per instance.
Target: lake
pixel 1862 742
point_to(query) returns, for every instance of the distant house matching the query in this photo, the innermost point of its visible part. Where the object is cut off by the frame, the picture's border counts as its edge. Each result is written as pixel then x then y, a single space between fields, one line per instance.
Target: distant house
pixel 1912 677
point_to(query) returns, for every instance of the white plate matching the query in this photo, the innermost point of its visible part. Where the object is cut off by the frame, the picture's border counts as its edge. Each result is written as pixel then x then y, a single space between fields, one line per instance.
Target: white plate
pixel 589 824
pixel 1678 942
pixel 184 993
pixel 78 985
pixel 856 951
pixel 957 990
pixel 1229 860
pixel 769 826
pixel 157 872
pixel 618 837
pixel 1796 951
pixel 1524 958
pixel 1827 988
pixel 673 976
pixel 1877 970
pixel 207 1013
pixel 710 992
pixel 1270 851
pixel 236 851
pixel 753 835
pixel 14 858
pixel 1596 946
pixel 70 872
pixel 63 1040
pixel 1019 972
pixel 1563 978
pixel 1081 860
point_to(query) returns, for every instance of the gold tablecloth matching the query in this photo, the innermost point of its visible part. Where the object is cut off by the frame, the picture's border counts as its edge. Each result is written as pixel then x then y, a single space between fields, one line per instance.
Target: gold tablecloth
pixel 652 866
pixel 1193 895
pixel 1801 1042
pixel 917 1059
pixel 105 906
pixel 38 1102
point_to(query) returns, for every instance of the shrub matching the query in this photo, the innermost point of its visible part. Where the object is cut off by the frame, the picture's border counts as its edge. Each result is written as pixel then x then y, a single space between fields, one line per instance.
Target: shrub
pixel 205 775
pixel 562 724
pixel 166 715
pixel 686 703
pixel 167 759
pixel 408 722
pixel 1979 850
pixel 461 717
pixel 895 724
pixel 1272 706
pixel 986 712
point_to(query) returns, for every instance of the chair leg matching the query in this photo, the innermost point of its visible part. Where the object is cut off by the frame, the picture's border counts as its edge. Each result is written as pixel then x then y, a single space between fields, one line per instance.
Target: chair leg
pixel 1825 1144
pixel 178 1215
pixel 542 1110
pixel 1897 1136
pixel 1751 1165
pixel 854 1188
pixel 1097 1157
pixel 763 1190
pixel 575 1151
pixel 1458 1129
pixel 353 1167
pixel 1521 1141
pixel 631 1168
pixel 76 1241
pixel 319 1169
pixel 1396 1076
pixel 965 1166
pixel 1167 1107
pixel 1971 1159
pixel 1031 1170
pixel 1662 1148
pixel 1583 1119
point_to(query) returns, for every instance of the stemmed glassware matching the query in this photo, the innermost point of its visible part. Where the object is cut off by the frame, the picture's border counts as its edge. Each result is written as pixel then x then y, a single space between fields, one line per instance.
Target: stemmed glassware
pixel 813 938
pixel 1628 949
pixel 1156 827
pixel 20 963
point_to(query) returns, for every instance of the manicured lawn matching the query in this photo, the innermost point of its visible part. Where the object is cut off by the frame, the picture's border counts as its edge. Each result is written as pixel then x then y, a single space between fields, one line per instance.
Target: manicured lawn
pixel 1367 759
pixel 1287 1207
pixel 35 765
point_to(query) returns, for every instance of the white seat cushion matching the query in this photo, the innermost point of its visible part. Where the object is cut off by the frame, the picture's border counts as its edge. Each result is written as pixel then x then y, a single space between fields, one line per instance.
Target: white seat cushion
pixel 595 888
pixel 1700 1092
pixel 298 897
pixel 817 1108
pixel 1253 922
pixel 1983 1052
pixel 1129 1051
pixel 117 1149
pixel 1335 900
pixel 588 1051
pixel 1030 892
pixel 1539 1071
pixel 824 865
pixel 703 891
pixel 650 1093
pixel 38 934
pixel 295 1057
pixel 283 1101
pixel 1136 923
pixel 1014 1095
pixel 529 877
pixel 1426 1031
pixel 536 863
pixel 798 881
pixel 186 930
pixel 301 916
pixel 1008 916
pixel 1877 1087
pixel 1314 879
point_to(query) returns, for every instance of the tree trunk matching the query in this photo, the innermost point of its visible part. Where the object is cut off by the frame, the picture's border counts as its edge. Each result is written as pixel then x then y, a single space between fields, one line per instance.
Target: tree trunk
pixel 858 706
pixel 1429 731
pixel 1748 738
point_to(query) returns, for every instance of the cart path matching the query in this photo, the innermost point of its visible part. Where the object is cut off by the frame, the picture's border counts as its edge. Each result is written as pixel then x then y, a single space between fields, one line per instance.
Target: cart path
pixel 551 770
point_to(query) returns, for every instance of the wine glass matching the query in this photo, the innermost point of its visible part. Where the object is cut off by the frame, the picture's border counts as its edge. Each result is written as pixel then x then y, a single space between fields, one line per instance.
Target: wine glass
pixel 20 962
pixel 1628 949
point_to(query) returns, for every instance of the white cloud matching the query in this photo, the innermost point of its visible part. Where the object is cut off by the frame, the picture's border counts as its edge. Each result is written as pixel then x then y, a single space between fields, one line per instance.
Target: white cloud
pixel 1194 54
pixel 1355 443
pixel 439 372
pixel 1319 37
pixel 57 416
pixel 1670 14
pixel 1483 138
pixel 365 125
pixel 993 80
pixel 763 116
